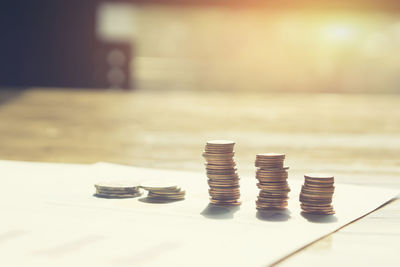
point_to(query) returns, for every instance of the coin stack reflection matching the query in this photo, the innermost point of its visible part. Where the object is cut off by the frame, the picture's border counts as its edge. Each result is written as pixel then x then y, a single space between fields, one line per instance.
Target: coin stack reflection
pixel 221 172
pixel 272 177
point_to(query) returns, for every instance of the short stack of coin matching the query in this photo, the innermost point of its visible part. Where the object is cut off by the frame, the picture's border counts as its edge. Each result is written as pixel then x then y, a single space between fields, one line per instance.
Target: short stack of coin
pixel 117 190
pixel 163 191
pixel 316 194
pixel 272 177
pixel 221 172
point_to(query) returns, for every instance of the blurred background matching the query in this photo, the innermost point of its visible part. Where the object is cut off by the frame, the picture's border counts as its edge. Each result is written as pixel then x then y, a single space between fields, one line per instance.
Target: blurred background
pixel 275 46
pixel 149 82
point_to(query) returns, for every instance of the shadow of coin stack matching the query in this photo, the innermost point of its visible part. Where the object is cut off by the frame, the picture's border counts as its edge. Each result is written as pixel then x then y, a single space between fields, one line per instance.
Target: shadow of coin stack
pixel 221 172
pixel 272 177
pixel 316 194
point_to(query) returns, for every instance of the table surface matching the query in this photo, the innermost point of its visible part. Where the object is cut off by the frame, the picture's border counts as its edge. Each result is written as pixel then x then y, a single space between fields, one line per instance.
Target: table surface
pixel 355 137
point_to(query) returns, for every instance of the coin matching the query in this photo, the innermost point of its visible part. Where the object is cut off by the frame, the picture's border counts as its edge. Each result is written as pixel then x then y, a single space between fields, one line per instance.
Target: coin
pixel 316 194
pixel 164 196
pixel 214 183
pixel 161 185
pixel 162 191
pixel 105 195
pixel 221 172
pixel 117 189
pixel 219 166
pixel 233 202
pixel 220 142
pixel 319 176
pixel 218 155
pixel 272 176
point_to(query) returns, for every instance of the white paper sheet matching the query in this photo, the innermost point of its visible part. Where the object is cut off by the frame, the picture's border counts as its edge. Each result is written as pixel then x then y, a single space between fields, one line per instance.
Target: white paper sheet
pixel 51 218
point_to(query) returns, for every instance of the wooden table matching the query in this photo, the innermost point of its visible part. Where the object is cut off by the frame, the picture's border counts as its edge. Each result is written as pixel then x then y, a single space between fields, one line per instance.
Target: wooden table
pixel 355 137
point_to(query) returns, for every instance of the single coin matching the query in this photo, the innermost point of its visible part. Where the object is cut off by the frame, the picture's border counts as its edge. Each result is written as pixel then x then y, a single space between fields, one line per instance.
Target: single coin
pixel 282 170
pixel 270 163
pixel 275 177
pixel 221 166
pixel 180 194
pixel 314 198
pixel 223 176
pixel 118 188
pixel 320 212
pixel 267 180
pixel 225 203
pixel 166 196
pixel 224 190
pixel 268 194
pixel 161 184
pixel 223 183
pixel 219 150
pixel 316 208
pixel 317 192
pixel 318 185
pixel 225 198
pixel 270 160
pixel 271 187
pixel 316 204
pixel 268 205
pixel 220 142
pixel 221 172
pixel 125 191
pixel 318 176
pixel 271 200
pixel 270 155
pixel 218 155
pixel 225 193
pixel 220 161
pixel 321 183
pixel 116 184
pixel 261 209
pixel 272 174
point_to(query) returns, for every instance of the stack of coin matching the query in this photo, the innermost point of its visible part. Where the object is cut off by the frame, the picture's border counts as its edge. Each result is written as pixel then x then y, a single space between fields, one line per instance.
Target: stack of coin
pixel 316 194
pixel 163 191
pixel 117 190
pixel 221 172
pixel 272 177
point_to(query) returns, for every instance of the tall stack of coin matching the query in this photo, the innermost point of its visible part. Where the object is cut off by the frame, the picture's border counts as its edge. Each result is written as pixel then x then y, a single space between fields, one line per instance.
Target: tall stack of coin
pixel 221 172
pixel 272 177
pixel 316 194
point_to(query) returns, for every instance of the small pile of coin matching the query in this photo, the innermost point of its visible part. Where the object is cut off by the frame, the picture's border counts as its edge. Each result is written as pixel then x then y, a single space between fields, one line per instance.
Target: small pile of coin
pixel 163 191
pixel 316 194
pixel 117 190
pixel 272 177
pixel 221 172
